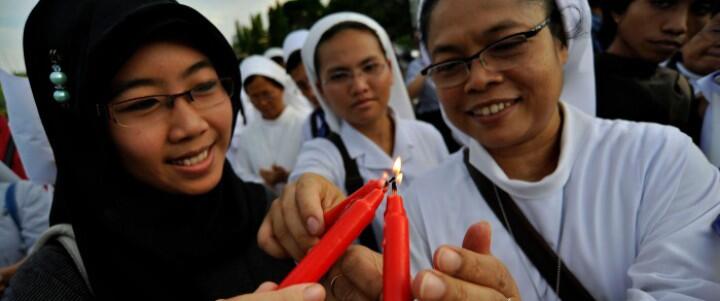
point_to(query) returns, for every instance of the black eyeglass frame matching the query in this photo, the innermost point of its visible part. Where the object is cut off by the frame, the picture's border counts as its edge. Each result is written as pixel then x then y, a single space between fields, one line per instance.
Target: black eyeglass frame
pixel 226 83
pixel 427 71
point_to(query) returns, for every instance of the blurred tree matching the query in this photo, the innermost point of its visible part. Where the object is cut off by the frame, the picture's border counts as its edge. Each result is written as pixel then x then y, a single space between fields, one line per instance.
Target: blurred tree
pixel 303 13
pixel 252 39
pixel 278 27
pixel 393 15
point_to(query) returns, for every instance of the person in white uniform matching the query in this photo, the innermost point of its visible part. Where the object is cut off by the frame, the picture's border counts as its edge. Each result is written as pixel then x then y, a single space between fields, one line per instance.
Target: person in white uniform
pixel 622 209
pixel 628 207
pixel 315 124
pixel 349 58
pixel 266 150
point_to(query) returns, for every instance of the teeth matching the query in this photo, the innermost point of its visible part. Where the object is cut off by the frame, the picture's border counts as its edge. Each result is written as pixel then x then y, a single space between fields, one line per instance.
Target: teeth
pixel 492 109
pixel 193 160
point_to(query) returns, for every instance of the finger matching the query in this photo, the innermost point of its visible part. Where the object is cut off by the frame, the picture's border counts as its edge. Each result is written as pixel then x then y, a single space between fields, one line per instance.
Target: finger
pixel 266 287
pixel 431 285
pixel 281 232
pixel 343 289
pixel 267 241
pixel 295 224
pixel 478 238
pixel 300 292
pixel 363 269
pixel 313 194
pixel 480 269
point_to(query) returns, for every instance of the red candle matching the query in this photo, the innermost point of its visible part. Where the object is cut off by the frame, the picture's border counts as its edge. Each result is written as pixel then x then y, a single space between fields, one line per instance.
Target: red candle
pixel 396 251
pixel 336 240
pixel 330 217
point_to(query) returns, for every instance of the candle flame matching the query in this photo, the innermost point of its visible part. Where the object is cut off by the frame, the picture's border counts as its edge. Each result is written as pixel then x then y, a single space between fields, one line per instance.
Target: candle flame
pixel 397 170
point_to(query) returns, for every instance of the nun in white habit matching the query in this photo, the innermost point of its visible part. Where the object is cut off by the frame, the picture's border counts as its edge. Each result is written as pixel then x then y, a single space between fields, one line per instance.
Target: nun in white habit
pixel 266 150
pixel 358 77
pixel 627 206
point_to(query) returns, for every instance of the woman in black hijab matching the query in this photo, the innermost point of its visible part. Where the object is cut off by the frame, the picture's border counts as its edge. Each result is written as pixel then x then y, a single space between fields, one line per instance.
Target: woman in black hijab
pixel 138 99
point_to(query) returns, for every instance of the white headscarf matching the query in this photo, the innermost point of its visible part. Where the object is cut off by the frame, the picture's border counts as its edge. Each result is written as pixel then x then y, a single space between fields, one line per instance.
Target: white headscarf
pixel 258 65
pixel 294 41
pixel 399 99
pixel 579 71
pixel 273 52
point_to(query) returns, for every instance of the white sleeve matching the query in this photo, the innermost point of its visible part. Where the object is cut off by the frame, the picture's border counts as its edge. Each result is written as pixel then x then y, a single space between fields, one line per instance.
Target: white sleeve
pixel 321 157
pixel 33 209
pixel 678 254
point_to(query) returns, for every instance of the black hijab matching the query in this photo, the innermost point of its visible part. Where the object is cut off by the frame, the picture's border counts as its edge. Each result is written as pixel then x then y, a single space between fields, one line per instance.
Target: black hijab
pixel 138 242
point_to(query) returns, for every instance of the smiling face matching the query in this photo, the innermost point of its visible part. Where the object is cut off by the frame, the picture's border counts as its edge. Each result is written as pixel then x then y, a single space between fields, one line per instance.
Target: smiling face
pixel 355 77
pixel 184 151
pixel 652 30
pixel 505 109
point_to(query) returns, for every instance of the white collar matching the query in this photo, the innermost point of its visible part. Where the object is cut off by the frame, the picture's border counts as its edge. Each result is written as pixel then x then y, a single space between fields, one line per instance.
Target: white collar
pixel 575 125
pixel 369 154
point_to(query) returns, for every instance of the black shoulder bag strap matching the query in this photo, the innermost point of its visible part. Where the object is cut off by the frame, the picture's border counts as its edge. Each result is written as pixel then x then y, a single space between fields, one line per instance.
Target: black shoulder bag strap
pixel 314 127
pixel 353 181
pixel 530 241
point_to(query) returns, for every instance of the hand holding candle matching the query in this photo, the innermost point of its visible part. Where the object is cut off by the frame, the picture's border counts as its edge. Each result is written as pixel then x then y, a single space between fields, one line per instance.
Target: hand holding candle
pixel 336 240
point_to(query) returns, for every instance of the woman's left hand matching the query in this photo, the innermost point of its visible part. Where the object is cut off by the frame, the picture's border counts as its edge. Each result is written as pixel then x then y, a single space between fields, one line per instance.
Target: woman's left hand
pixel 467 273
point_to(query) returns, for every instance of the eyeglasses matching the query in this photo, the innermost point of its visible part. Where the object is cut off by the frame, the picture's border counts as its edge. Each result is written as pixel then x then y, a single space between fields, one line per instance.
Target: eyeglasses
pixel 501 55
pixel 346 77
pixel 142 111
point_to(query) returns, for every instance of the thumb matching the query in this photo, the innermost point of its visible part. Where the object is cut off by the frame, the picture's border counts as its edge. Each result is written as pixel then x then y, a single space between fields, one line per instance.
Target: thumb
pixel 478 238
pixel 300 292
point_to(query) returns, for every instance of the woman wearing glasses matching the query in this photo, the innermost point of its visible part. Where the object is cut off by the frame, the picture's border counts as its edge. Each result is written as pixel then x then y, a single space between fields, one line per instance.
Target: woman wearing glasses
pixel 547 202
pixel 139 109
pixel 349 59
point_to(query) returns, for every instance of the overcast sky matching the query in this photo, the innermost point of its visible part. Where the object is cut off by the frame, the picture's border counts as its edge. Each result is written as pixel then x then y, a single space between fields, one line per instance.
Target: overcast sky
pixel 222 13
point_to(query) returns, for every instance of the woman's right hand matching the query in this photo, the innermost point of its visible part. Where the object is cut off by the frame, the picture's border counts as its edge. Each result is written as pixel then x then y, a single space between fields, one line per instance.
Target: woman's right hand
pixel 295 220
pixel 300 292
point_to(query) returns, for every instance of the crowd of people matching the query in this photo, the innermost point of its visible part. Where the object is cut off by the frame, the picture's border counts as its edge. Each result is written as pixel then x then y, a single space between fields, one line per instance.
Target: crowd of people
pixel 551 150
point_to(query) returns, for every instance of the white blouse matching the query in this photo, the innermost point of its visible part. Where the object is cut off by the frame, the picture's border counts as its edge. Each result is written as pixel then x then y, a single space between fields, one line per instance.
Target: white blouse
pixel 419 144
pixel 629 209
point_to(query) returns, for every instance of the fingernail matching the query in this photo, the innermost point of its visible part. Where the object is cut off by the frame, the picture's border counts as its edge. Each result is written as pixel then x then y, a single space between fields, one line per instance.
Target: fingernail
pixel 313 226
pixel 314 292
pixel 432 287
pixel 449 261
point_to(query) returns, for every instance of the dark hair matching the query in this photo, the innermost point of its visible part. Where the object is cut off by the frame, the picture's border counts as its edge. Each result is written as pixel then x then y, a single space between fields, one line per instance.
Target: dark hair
pixel 338 28
pixel 293 61
pixel 250 79
pixel 556 22
pixel 278 60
